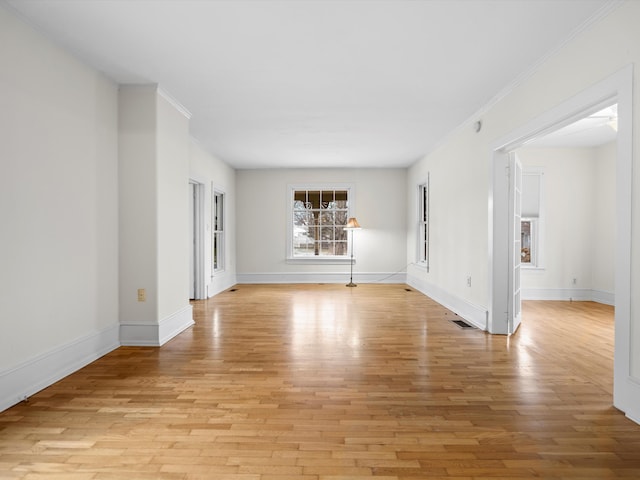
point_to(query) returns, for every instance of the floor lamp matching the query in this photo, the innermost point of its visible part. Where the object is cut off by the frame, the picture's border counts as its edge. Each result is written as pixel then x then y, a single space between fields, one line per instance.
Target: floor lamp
pixel 352 224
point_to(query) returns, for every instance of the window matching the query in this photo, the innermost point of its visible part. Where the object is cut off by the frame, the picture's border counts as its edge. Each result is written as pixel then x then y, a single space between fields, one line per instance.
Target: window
pixel 531 221
pixel 528 241
pixel 218 231
pixel 423 224
pixel 317 220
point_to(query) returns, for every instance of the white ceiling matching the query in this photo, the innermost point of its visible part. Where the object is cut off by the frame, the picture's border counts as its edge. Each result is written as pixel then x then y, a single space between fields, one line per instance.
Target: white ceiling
pixel 342 83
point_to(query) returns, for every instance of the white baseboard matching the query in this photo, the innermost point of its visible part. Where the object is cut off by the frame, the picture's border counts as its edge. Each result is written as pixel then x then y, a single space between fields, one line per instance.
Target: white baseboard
pixel 156 335
pixel 220 282
pixel 30 377
pixel 319 277
pixel 175 324
pixel 626 392
pixel 473 314
pixel 567 294
pixel 606 298
pixel 633 415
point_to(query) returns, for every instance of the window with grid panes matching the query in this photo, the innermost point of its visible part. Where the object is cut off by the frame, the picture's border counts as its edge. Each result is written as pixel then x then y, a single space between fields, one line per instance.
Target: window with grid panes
pixel 319 217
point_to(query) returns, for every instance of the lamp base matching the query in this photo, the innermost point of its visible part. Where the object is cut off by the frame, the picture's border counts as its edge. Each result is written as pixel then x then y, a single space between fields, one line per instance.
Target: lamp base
pixel 351 284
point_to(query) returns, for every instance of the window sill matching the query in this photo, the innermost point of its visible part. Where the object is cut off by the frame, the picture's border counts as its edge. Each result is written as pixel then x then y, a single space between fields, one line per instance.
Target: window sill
pixel 320 260
pixel 531 268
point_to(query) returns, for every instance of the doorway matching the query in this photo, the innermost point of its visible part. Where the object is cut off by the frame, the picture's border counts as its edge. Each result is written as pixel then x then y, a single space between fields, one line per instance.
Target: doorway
pixel 568 211
pixel 617 88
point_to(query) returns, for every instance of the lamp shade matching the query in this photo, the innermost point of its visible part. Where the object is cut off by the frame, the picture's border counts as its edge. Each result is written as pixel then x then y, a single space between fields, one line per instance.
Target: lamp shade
pixel 352 223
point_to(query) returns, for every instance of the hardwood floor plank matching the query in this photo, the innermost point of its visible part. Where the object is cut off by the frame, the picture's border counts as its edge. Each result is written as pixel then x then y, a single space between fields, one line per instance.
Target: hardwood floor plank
pixel 322 382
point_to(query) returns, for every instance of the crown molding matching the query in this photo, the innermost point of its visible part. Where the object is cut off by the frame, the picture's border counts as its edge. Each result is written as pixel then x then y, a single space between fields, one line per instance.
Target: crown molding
pixel 175 103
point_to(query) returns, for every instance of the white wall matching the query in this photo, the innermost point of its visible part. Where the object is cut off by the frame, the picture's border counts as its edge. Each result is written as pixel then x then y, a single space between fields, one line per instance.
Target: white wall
pixel 137 203
pixel 578 236
pixel 460 207
pixel 58 204
pixel 173 208
pixel 93 201
pixel 154 215
pixel 380 247
pixel 458 181
pixel 212 173
pixel 603 268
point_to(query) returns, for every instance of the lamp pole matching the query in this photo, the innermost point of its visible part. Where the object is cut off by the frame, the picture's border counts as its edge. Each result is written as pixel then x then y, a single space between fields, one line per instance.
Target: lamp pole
pixel 351 284
pixel 352 224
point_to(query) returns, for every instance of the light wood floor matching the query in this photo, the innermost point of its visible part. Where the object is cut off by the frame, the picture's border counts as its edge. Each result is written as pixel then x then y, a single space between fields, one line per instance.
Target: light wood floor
pixel 324 382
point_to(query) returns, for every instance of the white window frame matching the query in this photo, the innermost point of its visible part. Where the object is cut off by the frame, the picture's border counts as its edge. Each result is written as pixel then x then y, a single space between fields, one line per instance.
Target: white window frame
pixel 323 259
pixel 423 243
pixel 218 231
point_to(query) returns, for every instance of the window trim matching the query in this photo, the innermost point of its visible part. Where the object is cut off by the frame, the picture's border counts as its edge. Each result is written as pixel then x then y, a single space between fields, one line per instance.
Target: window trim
pixel 326 259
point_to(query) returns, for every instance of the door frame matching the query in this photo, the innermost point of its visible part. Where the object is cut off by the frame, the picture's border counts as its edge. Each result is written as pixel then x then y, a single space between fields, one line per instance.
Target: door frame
pixel 618 88
pixel 198 239
pixel 514 315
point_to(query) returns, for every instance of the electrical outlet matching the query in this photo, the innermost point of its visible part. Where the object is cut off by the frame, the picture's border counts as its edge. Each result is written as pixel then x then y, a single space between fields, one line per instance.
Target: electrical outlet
pixel 469 281
pixel 142 295
pixel 575 281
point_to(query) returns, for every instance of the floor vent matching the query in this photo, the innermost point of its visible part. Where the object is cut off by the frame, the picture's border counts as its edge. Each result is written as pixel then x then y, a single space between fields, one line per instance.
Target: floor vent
pixel 408 290
pixel 462 324
pixel 233 290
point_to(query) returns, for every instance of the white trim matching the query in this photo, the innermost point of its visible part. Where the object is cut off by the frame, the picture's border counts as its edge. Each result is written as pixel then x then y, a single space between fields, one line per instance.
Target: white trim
pixel 633 414
pixel 174 103
pixel 316 277
pixel 473 314
pixel 199 239
pixel 156 334
pixel 606 298
pixel 41 371
pixel 568 294
pixel 221 282
pixel 139 335
pixel 175 324
pixel 626 390
pixel 320 260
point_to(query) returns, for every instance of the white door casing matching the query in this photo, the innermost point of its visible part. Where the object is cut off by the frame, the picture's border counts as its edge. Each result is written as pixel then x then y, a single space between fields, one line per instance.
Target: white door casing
pixel 514 311
pixel 196 246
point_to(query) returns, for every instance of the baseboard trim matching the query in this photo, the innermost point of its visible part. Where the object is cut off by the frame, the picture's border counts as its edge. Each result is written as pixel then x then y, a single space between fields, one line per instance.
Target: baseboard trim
pixel 634 416
pixel 319 277
pixel 175 324
pixel 600 296
pixel 156 335
pixel 28 378
pixel 473 314
pixel 569 294
pixel 219 283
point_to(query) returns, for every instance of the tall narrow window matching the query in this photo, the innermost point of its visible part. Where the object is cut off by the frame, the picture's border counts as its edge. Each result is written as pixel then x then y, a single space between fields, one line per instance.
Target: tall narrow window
pixel 218 231
pixel 317 221
pixel 423 224
pixel 532 219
